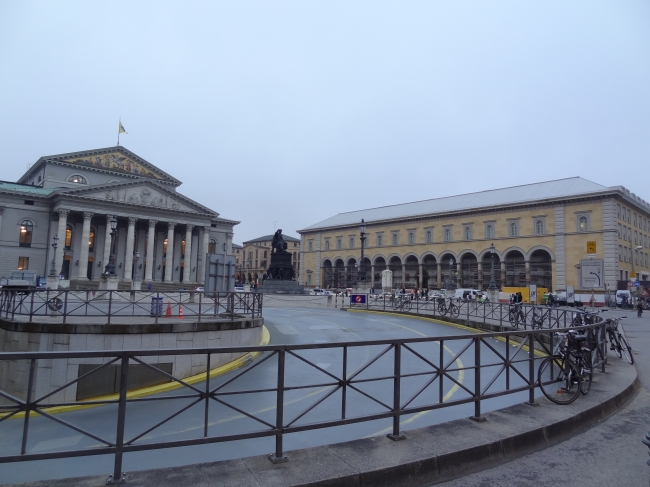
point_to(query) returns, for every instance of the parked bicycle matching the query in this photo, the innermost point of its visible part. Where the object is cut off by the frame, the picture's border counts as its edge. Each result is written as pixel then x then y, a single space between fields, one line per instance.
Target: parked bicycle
pixel 617 341
pixel 516 315
pixel 448 306
pixel 402 304
pixel 567 373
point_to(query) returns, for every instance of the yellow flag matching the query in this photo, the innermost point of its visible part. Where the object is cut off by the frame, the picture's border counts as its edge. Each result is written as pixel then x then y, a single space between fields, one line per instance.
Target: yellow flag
pixel 122 131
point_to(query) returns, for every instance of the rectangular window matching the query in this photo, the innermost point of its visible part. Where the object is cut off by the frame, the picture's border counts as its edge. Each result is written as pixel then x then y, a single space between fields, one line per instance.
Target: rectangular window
pixel 625 253
pixel 351 242
pixel 309 279
pixel 635 220
pixel 338 243
pixel 310 245
pixel 327 244
pixel 379 239
pixel 429 236
pixel 629 216
pixel 619 210
pixel 411 237
pixel 620 253
pixel 23 263
pixel 619 231
pixel 394 239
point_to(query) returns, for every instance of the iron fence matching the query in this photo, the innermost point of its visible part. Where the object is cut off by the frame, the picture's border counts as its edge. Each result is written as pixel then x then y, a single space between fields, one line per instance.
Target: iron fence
pixel 111 304
pixel 477 367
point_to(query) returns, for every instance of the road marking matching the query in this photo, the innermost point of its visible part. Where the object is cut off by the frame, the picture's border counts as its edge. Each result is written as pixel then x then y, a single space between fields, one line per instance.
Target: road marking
pixel 45 445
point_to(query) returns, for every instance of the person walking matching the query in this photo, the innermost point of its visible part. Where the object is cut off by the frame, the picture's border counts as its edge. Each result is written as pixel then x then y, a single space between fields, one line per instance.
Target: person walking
pixel 639 308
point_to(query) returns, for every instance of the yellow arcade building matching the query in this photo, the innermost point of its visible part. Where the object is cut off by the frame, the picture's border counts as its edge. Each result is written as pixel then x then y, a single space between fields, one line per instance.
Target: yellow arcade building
pixel 531 234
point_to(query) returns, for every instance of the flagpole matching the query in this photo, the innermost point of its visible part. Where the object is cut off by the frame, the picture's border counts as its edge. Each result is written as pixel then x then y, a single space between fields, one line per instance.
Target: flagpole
pixel 118 131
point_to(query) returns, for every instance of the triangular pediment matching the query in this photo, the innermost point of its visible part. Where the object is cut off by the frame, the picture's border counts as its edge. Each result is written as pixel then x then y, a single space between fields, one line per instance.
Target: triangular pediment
pixel 139 193
pixel 113 159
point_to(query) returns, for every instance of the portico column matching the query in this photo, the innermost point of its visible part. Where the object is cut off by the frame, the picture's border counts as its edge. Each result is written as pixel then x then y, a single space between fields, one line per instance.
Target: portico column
pixel 372 276
pixel 527 273
pixel 503 274
pixel 419 276
pixel 480 275
pixel 439 275
pixel 403 276
pixel 107 242
pixel 83 253
pixel 204 250
pixel 187 267
pixel 150 241
pixel 130 237
pixel 63 220
pixel 170 251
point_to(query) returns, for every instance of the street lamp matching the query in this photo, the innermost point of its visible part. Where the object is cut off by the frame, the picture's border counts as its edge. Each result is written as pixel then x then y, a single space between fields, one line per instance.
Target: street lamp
pixel 493 285
pixel 54 246
pixel 110 267
pixel 137 272
pixel 450 282
pixel 361 274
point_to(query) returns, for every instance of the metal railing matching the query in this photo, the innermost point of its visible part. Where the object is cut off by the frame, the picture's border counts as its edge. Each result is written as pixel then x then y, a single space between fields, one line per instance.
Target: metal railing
pixel 119 304
pixel 477 367
pixel 521 315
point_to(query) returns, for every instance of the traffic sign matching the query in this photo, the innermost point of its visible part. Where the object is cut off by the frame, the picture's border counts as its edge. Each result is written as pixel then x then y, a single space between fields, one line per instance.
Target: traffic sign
pixel 637 284
pixel 358 298
pixel 632 274
pixel 591 273
pixel 591 247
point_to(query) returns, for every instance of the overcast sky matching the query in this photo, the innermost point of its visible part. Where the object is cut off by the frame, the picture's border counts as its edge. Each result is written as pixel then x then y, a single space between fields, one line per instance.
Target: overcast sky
pixel 281 114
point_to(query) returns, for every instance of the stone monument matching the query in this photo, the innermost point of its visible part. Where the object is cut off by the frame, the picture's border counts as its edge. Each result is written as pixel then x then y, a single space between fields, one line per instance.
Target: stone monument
pixel 387 281
pixel 280 278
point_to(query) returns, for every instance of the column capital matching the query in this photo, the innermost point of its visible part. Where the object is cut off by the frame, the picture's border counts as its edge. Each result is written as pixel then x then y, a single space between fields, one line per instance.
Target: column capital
pixel 132 220
pixel 189 227
pixel 153 223
pixel 63 213
pixel 171 225
pixel 88 215
pixel 109 218
pixel 228 235
pixel 206 229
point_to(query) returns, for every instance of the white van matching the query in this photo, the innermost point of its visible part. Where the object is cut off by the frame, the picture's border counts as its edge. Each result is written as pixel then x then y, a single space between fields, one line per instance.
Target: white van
pixel 464 293
pixel 619 297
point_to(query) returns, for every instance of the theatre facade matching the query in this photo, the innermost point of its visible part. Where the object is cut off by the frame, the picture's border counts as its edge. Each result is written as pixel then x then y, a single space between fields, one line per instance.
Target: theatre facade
pixel 530 234
pixel 162 235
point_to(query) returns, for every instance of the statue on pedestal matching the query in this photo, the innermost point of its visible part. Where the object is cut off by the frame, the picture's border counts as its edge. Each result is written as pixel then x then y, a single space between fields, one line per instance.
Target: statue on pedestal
pixel 278 243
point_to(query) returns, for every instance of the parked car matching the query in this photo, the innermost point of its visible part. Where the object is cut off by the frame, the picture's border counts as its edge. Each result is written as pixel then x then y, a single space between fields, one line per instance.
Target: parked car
pixel 199 289
pixel 239 288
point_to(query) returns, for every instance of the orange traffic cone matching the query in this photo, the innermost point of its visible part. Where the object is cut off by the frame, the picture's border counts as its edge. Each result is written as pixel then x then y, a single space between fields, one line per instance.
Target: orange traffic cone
pixel 180 311
pixel 168 313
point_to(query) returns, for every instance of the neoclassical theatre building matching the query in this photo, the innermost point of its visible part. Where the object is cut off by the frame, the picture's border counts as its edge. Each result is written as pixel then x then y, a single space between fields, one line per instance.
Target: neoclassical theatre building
pixel 539 232
pixel 161 234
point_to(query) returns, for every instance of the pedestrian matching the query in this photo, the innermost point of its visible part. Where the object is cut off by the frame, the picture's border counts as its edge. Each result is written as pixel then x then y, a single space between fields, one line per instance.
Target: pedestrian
pixel 639 309
pixel 149 287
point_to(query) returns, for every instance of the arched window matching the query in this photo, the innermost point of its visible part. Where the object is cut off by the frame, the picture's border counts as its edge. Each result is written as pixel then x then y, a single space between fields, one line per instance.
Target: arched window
pixel 583 224
pixel 164 247
pixel 212 246
pixel 429 236
pixel 91 240
pixel 447 235
pixel 379 239
pixel 539 227
pixel 513 229
pixel 468 233
pixel 489 231
pixel 68 237
pixel 394 239
pixel 26 229
pixel 77 179
pixel 411 237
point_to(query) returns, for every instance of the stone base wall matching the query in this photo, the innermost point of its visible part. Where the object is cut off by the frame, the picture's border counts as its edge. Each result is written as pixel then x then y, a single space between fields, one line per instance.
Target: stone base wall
pixel 52 374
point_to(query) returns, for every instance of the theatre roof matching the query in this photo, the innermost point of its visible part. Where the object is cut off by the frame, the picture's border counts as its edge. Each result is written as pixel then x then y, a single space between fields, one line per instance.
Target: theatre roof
pixel 527 193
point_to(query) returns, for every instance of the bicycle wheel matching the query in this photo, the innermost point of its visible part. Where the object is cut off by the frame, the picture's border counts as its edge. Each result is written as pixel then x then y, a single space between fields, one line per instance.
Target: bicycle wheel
pixel 512 318
pixel 586 372
pixel 626 349
pixel 559 380
pixel 454 311
pixel 616 346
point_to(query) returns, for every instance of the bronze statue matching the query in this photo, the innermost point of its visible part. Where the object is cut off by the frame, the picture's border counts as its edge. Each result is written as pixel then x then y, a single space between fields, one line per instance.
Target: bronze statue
pixel 278 244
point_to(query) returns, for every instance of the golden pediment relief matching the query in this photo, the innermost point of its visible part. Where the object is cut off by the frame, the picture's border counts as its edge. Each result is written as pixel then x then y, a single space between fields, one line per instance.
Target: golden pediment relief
pixel 115 161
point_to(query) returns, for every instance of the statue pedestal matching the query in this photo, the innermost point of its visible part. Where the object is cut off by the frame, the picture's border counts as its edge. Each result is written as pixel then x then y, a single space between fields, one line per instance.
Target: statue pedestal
pixel 108 283
pixel 136 285
pixel 282 273
pixel 52 282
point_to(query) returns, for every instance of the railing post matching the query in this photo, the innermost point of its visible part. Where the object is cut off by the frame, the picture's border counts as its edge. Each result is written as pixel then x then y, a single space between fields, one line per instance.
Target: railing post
pixel 118 477
pixel 397 376
pixel 31 307
pixel 110 303
pixel 156 309
pixel 477 381
pixel 28 405
pixel 65 306
pixel 531 368
pixel 344 377
pixel 278 457
pixel 603 332
pixel 199 318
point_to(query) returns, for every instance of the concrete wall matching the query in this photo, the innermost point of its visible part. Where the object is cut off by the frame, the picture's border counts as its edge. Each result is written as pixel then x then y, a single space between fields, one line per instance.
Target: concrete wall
pixel 52 374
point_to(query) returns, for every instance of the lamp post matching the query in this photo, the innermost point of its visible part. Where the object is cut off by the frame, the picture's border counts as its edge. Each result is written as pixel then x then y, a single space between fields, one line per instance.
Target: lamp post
pixel 137 271
pixel 493 285
pixel 110 267
pixel 55 244
pixel 361 274
pixel 450 282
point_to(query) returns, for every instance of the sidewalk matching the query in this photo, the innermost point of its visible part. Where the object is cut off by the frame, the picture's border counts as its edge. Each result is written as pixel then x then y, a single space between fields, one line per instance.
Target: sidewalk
pixel 608 454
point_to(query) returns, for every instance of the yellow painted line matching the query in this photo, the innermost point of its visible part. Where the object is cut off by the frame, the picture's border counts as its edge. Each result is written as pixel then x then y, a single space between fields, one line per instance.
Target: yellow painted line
pixel 157 389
